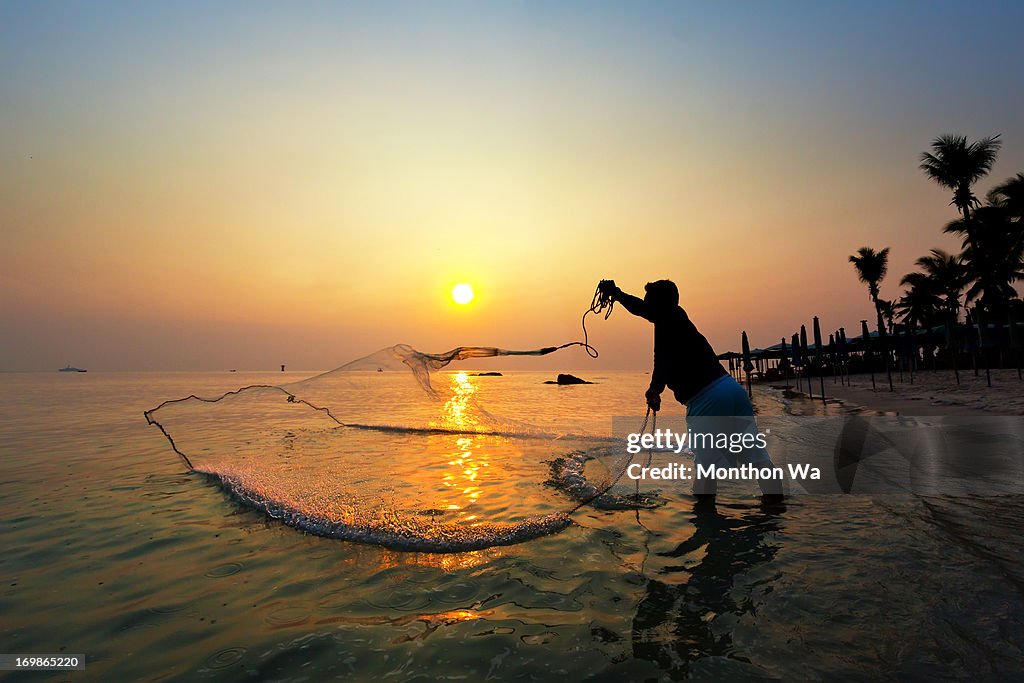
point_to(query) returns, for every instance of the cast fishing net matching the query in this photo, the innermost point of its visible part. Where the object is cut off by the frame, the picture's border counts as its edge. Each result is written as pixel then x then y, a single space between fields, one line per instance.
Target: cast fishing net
pixel 400 449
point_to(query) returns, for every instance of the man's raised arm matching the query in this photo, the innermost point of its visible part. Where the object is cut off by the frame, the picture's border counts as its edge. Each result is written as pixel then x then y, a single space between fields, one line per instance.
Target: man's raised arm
pixel 634 305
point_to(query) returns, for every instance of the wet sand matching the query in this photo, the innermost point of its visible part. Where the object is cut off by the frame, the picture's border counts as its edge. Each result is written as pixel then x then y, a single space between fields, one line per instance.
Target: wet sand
pixel 932 393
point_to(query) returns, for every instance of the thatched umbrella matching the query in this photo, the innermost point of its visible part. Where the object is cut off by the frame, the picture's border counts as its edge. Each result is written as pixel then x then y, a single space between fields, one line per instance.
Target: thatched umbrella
pixel 783 360
pixel 747 365
pixel 832 356
pixel 983 343
pixel 865 337
pixel 817 356
pixel 951 344
pixel 844 354
pixel 806 357
pixel 1015 337
pixel 911 348
pixel 887 349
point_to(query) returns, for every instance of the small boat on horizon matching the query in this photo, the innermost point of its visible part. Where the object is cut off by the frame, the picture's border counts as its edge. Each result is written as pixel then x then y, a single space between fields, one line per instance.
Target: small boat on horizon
pixel 71 369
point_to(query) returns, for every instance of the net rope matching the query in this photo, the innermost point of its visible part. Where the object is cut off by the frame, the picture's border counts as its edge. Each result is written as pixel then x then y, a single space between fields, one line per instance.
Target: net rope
pixel 319 454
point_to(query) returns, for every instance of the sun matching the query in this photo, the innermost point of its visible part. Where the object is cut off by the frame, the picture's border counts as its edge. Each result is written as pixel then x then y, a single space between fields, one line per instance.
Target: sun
pixel 462 293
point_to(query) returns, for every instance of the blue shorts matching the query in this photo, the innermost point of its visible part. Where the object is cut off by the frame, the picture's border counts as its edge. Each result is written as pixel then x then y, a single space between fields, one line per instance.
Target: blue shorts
pixel 723 407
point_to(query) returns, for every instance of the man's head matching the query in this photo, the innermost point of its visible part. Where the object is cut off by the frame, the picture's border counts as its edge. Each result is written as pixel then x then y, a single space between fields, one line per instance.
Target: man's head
pixel 661 294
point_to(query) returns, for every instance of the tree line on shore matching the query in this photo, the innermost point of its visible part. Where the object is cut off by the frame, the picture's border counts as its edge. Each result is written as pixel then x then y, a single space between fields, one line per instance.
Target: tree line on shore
pixel 977 285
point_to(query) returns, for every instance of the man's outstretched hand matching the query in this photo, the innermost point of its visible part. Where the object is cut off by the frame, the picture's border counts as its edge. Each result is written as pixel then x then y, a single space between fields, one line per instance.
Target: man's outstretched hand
pixel 607 288
pixel 653 399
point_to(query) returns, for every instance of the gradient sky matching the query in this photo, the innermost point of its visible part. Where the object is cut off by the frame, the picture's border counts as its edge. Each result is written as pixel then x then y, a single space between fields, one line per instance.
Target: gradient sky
pixel 186 186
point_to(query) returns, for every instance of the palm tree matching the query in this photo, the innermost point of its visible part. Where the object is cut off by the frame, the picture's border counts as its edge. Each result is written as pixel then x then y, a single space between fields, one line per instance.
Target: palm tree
pixel 888 313
pixel 993 257
pixel 956 165
pixel 948 275
pixel 871 268
pixel 1010 196
pixel 922 304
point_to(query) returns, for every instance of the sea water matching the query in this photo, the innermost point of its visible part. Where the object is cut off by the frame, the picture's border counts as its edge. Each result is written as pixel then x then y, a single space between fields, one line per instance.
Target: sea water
pixel 112 549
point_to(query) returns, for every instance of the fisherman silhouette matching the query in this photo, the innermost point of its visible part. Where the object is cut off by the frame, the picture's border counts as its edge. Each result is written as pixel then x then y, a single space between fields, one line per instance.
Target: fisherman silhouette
pixel 685 363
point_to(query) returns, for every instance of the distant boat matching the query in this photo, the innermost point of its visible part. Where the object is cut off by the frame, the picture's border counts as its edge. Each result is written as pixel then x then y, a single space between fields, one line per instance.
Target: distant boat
pixel 71 369
pixel 380 369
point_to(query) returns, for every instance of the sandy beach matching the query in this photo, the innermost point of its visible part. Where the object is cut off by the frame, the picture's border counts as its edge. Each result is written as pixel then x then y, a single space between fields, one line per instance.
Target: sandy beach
pixel 932 393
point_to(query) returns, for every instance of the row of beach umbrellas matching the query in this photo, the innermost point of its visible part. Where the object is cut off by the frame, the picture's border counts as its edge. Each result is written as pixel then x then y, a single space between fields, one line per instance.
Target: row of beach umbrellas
pixel 808 357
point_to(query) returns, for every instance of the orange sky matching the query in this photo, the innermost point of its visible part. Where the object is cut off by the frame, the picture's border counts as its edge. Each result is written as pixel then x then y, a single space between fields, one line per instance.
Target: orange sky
pixel 309 190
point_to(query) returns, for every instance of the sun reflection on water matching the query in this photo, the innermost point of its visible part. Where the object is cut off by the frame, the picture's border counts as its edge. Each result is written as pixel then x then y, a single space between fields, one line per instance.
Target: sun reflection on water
pixel 457 414
pixel 466 467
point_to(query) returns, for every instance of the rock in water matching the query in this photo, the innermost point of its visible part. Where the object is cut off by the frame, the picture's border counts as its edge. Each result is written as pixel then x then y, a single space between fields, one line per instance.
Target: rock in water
pixel 568 379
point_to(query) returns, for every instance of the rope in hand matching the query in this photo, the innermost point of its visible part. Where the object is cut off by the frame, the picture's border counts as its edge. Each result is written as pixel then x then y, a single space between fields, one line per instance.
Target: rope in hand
pixel 602 301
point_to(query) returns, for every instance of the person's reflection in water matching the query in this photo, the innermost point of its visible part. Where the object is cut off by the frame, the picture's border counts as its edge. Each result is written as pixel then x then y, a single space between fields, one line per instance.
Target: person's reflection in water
pixel 675 621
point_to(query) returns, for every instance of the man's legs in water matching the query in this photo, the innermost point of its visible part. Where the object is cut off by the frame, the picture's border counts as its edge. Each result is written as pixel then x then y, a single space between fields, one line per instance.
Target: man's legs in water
pixel 724 407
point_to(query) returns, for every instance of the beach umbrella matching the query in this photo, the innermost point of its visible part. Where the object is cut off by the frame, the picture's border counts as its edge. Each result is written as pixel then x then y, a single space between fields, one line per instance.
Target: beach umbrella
pixel 983 343
pixel 832 355
pixel 1015 337
pixel 805 356
pixel 817 356
pixel 910 346
pixel 865 337
pixel 951 343
pixel 883 340
pixel 798 359
pixel 844 355
pixel 784 359
pixel 839 353
pixel 746 362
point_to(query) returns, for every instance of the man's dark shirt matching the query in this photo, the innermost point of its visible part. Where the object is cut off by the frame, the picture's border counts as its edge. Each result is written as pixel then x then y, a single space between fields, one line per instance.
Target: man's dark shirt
pixel 683 359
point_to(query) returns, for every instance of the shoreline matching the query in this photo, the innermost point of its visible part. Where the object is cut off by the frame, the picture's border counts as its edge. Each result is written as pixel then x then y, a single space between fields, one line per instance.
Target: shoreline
pixel 933 393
